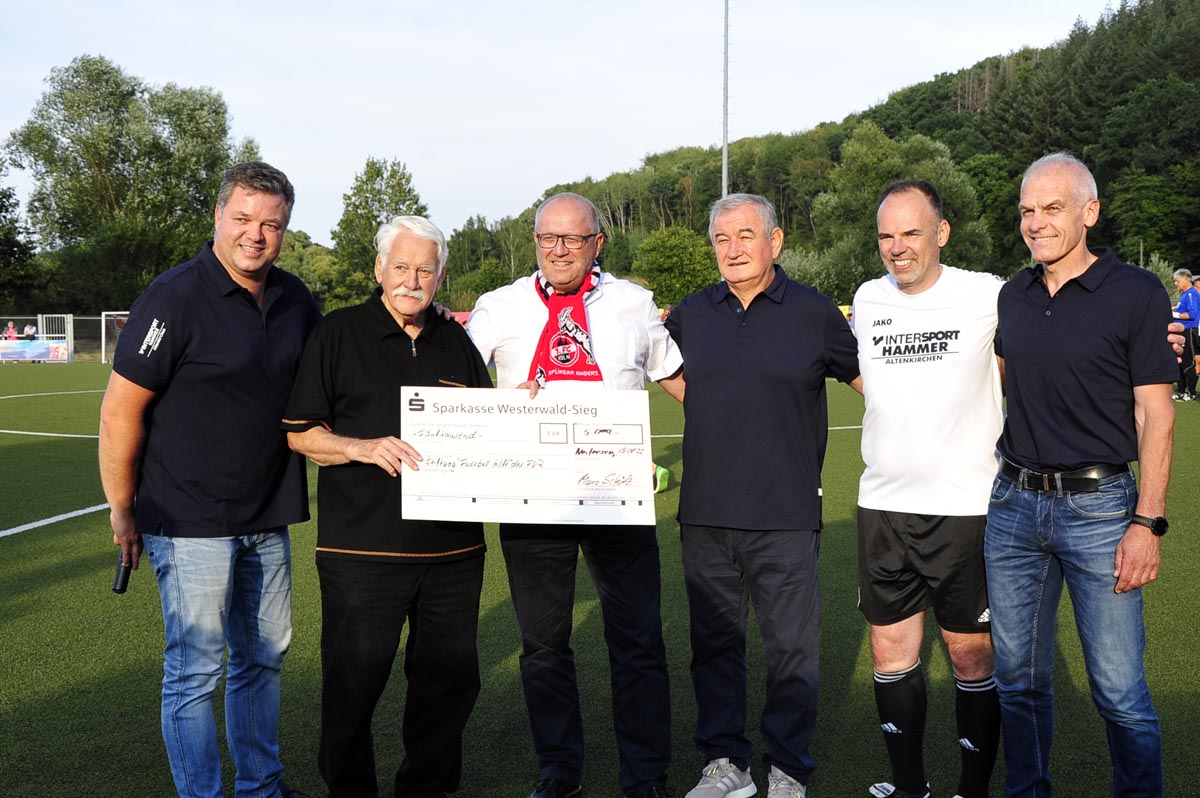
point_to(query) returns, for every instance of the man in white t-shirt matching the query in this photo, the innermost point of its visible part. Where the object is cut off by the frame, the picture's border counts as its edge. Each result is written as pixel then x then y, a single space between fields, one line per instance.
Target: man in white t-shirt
pixel 933 414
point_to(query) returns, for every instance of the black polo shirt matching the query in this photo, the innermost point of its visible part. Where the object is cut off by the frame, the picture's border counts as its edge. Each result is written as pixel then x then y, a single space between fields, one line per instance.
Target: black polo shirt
pixel 354 366
pixel 756 419
pixel 1071 363
pixel 214 463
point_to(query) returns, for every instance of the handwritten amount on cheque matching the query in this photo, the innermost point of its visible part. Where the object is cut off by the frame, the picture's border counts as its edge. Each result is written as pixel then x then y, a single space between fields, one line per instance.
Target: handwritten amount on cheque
pixel 444 463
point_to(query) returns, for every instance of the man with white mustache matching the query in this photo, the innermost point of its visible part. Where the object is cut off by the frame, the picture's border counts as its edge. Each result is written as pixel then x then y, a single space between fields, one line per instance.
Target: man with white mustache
pixel 378 569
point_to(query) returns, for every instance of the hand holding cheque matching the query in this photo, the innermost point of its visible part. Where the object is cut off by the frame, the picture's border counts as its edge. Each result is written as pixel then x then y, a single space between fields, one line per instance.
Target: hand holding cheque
pixel 565 457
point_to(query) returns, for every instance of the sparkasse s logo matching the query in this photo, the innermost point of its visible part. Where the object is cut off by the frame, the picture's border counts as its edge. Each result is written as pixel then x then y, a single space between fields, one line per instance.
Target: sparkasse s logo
pixel 416 403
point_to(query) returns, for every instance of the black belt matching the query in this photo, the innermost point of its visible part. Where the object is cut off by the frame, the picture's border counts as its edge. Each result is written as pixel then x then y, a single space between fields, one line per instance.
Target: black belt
pixel 1081 480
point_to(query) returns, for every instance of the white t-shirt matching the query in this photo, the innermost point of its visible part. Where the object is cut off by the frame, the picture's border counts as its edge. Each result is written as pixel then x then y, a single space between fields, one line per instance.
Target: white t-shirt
pixel 934 407
pixel 629 340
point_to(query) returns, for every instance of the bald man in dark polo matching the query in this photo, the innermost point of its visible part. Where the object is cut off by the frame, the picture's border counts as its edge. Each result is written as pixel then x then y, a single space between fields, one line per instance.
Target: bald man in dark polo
pixel 1088 378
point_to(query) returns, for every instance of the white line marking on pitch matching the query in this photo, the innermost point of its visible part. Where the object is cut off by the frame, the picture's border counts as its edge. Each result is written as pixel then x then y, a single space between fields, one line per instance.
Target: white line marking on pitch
pixel 52 393
pixel 54 520
pixel 681 435
pixel 47 434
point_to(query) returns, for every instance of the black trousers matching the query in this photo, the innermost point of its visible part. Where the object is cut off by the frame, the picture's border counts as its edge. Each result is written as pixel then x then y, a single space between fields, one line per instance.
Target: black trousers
pixel 364 606
pixel 724 570
pixel 624 565
pixel 1187 366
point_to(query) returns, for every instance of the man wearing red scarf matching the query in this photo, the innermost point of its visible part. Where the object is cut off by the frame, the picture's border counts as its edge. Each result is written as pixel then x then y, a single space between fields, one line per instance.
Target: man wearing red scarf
pixel 570 322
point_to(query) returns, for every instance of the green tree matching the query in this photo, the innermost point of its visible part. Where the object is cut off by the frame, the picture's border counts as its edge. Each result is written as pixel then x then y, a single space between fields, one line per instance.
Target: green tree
pixel 846 215
pixel 1157 213
pixel 312 263
pixel 470 246
pixel 18 274
pixel 514 242
pixel 490 275
pixel 1156 126
pixel 125 174
pixel 675 261
pixel 382 190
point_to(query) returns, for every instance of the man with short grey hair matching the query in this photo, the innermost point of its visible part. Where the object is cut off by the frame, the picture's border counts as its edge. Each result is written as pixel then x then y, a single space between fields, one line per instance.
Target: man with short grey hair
pixel 758 348
pixel 377 569
pixel 1088 383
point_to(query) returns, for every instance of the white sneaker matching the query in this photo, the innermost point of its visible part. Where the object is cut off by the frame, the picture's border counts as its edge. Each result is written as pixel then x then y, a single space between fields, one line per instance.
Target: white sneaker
pixel 781 785
pixel 723 779
pixel 885 789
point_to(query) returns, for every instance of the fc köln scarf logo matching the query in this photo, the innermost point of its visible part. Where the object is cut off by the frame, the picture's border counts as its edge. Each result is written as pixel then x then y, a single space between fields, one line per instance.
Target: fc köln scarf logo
pixel 564 350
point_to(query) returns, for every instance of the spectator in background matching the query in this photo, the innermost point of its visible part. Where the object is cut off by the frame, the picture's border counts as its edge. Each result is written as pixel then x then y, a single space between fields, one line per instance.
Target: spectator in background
pixel 1196 332
pixel 10 332
pixel 30 332
pixel 1187 311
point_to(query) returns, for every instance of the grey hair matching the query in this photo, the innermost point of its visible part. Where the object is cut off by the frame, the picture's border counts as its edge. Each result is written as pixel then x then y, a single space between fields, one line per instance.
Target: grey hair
pixel 591 206
pixel 1084 184
pixel 731 201
pixel 256 176
pixel 1184 273
pixel 418 226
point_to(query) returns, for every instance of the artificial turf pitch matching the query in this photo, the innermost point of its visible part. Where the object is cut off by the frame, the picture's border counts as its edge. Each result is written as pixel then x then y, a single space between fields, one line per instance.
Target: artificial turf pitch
pixel 80 666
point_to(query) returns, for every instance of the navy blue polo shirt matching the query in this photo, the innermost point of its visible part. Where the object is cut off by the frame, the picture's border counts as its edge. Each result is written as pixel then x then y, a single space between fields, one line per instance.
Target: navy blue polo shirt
pixel 215 463
pixel 1071 363
pixel 349 381
pixel 756 419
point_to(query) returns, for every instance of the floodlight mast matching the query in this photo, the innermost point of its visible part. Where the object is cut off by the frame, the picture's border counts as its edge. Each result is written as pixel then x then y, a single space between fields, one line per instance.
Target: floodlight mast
pixel 725 113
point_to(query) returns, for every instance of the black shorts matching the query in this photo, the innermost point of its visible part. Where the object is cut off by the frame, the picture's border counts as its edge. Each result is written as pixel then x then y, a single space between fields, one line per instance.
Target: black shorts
pixel 908 563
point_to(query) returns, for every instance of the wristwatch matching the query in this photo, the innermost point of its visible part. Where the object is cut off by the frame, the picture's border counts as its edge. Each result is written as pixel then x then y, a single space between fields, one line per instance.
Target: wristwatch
pixel 1156 525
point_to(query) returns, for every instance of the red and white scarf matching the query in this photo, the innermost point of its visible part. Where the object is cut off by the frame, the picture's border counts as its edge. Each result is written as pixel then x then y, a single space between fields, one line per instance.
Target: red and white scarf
pixel 564 350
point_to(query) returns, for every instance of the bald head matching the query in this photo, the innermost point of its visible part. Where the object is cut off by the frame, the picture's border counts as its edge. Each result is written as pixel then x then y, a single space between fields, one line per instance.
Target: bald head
pixel 581 202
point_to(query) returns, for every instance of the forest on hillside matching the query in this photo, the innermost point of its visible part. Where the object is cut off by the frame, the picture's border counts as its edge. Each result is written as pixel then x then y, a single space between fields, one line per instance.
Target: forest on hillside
pixel 125 174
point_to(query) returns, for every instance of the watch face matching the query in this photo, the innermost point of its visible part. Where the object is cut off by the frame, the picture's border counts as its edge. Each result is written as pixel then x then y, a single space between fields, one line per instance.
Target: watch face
pixel 1156 525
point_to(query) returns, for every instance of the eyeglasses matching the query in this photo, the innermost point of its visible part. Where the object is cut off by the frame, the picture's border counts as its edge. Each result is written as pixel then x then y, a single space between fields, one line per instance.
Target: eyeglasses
pixel 550 240
pixel 423 272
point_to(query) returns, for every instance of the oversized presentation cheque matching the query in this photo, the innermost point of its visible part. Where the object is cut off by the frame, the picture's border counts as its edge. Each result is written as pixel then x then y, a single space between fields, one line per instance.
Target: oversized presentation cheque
pixel 568 456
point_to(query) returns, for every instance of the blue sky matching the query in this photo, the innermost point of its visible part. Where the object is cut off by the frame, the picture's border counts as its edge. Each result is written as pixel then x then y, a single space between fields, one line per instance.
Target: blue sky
pixel 490 103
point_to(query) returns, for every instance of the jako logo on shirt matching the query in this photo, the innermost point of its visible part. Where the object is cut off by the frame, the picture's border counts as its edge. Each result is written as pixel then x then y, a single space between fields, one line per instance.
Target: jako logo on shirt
pixel 153 338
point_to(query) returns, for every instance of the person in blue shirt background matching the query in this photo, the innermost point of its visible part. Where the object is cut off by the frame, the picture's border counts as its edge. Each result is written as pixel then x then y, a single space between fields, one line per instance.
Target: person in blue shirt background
pixel 1188 312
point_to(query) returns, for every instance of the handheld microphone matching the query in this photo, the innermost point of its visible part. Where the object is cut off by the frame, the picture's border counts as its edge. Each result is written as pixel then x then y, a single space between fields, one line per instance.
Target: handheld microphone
pixel 121 579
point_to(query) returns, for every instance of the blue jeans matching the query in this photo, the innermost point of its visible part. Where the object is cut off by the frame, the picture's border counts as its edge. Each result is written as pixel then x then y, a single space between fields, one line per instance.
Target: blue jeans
pixel 1035 541
pixel 219 592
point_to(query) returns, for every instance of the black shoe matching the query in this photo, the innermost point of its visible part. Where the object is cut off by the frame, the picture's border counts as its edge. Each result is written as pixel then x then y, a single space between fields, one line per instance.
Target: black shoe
pixel 554 788
pixel 289 792
pixel 657 791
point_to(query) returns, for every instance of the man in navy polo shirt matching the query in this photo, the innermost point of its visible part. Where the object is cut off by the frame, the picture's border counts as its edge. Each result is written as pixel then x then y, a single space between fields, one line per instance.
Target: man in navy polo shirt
pixel 378 569
pixel 757 349
pixel 196 470
pixel 1088 378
